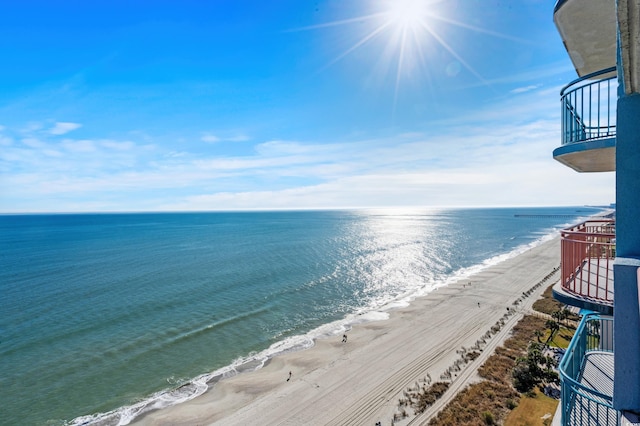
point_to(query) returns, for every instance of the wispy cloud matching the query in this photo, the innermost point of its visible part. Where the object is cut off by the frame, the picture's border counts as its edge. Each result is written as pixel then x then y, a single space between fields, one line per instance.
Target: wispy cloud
pixel 208 137
pixel 211 138
pixel 61 128
pixel 500 155
pixel 525 89
pixel 79 145
pixel 533 75
pixel 34 143
pixel 118 146
pixel 238 138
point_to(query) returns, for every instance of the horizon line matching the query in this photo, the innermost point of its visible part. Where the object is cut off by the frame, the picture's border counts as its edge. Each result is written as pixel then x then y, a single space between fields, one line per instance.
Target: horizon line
pixel 299 209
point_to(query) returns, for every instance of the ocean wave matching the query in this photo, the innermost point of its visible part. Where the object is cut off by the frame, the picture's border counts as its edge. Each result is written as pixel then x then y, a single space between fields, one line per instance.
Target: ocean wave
pixel 199 385
pixel 378 309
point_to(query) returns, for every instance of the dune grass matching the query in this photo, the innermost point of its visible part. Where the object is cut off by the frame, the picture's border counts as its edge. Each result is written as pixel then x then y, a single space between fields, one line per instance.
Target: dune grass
pixel 494 400
pixel 490 401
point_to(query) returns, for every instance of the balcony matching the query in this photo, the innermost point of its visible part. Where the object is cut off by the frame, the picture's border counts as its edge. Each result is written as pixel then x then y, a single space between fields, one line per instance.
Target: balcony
pixel 588 31
pixel 589 123
pixel 586 374
pixel 587 254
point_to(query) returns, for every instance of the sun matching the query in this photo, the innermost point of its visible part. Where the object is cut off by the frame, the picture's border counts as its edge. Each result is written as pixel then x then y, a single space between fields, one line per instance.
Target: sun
pixel 406 14
pixel 410 27
pixel 403 36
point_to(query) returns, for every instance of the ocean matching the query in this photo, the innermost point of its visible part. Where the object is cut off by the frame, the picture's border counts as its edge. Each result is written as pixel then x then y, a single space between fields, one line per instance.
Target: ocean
pixel 106 316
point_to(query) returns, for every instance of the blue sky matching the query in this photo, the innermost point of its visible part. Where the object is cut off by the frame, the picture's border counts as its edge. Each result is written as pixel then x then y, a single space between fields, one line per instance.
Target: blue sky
pixel 194 105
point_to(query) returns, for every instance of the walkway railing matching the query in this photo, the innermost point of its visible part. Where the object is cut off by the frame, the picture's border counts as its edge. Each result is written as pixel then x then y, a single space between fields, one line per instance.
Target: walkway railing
pixel 581 403
pixel 588 250
pixel 589 107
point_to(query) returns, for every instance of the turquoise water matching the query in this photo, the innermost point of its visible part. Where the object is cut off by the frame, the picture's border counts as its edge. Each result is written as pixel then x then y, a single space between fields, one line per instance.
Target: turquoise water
pixel 103 316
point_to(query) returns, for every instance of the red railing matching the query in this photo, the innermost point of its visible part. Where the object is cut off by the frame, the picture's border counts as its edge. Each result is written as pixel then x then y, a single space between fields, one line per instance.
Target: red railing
pixel 588 250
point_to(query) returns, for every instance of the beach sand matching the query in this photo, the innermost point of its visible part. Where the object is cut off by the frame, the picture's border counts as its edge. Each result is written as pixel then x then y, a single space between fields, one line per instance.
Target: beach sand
pixel 360 382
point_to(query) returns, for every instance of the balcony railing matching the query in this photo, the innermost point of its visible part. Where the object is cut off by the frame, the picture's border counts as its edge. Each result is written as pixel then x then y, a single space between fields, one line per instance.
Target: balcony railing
pixel 588 250
pixel 589 107
pixel 586 373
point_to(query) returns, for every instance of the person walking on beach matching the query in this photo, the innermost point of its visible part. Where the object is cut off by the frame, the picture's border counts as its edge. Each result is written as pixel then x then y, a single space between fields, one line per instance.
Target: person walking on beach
pixel 289 378
pixel 344 338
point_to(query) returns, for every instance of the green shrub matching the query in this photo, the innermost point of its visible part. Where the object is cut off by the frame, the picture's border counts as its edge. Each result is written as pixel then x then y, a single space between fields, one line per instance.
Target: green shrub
pixel 488 418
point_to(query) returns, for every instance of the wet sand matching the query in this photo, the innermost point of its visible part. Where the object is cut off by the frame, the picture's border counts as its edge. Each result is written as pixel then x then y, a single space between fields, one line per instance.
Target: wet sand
pixel 359 382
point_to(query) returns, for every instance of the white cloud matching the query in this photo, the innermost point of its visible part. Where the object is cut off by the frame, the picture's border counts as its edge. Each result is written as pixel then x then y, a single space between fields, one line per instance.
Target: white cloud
pixel 525 89
pixel 211 138
pixel 79 145
pixel 208 137
pixel 275 148
pixel 61 128
pixel 52 153
pixel 238 138
pixel 456 188
pixel 31 127
pixel 176 154
pixel 34 143
pixel 499 155
pixel 118 146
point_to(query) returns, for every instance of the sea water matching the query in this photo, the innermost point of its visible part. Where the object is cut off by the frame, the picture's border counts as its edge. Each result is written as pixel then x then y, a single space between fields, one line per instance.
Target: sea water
pixel 106 316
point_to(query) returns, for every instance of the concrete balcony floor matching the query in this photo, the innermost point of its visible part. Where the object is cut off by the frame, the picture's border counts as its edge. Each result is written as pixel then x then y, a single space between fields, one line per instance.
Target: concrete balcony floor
pixel 597 375
pixel 594 292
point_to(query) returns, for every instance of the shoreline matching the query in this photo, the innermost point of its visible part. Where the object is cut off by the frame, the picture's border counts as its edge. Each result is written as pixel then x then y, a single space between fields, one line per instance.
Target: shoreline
pixel 361 380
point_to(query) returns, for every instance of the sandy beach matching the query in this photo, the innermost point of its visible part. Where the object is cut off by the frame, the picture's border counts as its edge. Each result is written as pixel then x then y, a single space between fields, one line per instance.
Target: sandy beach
pixel 359 382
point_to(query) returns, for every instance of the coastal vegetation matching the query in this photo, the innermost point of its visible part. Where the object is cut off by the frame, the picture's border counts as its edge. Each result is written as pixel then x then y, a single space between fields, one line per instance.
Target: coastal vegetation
pixel 534 368
pixel 490 401
pixel 550 306
pixel 516 374
pixel 536 409
pixel 429 396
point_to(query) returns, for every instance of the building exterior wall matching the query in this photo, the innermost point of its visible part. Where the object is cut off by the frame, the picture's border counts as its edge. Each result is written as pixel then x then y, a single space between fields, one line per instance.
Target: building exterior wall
pixel 626 393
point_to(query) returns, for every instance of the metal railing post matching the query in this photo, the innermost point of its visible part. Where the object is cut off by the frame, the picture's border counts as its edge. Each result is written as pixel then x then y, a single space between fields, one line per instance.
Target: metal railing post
pixel 587 251
pixel 581 404
pixel 582 109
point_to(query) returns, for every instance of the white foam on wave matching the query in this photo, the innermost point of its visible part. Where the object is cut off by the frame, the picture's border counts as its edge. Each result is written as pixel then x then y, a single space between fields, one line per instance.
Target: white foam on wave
pixel 125 415
pixel 378 310
pixel 423 289
pixel 373 316
pixel 465 273
pixel 199 385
